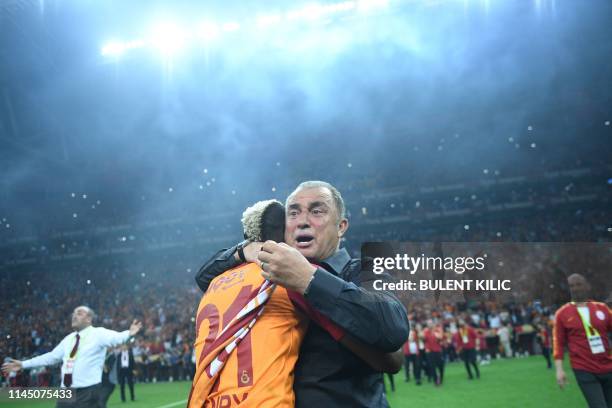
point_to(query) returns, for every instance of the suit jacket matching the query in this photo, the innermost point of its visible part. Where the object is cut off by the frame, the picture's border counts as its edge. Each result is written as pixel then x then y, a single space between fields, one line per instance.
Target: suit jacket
pixel 130 360
pixel 109 374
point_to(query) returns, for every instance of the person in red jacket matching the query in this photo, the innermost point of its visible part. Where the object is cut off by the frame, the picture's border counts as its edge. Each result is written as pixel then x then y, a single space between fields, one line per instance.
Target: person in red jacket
pixel 432 337
pixel 465 343
pixel 583 327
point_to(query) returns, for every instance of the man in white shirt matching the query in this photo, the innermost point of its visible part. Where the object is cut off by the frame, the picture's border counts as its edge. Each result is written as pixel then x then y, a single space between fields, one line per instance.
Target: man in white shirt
pixel 82 354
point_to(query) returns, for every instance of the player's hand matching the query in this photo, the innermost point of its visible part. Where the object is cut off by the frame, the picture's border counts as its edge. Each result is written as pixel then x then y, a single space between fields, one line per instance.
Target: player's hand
pixel 286 266
pixel 561 379
pixel 10 366
pixel 251 251
pixel 135 327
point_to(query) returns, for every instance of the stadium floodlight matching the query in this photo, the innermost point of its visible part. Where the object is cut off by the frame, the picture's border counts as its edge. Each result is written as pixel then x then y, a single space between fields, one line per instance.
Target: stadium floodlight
pixel 117 48
pixel 339 7
pixel 267 20
pixel 168 38
pixel 316 11
pixel 367 5
pixel 230 26
pixel 308 12
pixel 208 31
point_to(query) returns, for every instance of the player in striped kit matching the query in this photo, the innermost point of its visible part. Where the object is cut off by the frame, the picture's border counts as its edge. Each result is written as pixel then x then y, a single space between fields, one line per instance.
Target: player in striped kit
pixel 249 332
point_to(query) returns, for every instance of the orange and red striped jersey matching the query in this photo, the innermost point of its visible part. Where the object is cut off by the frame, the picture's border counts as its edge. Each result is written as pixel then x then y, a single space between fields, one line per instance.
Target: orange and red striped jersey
pixel 259 372
pixel 569 331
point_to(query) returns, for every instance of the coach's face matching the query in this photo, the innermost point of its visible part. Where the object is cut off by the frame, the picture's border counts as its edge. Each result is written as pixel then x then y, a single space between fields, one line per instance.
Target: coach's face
pixel 80 318
pixel 313 225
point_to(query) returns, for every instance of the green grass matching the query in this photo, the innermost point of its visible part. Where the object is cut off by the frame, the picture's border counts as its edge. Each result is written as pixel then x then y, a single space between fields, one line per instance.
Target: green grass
pixel 518 383
pixel 147 396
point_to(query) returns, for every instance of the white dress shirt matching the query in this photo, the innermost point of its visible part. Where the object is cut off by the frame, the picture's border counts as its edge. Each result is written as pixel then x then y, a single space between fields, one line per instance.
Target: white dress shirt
pixel 89 360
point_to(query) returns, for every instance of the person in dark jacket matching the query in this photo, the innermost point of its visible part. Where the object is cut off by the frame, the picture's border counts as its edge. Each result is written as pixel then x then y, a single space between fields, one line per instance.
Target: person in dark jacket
pixel 109 378
pixel 326 374
pixel 125 370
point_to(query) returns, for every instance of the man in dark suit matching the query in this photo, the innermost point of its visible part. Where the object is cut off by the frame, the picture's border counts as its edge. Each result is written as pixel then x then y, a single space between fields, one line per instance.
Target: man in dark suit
pixel 125 369
pixel 109 378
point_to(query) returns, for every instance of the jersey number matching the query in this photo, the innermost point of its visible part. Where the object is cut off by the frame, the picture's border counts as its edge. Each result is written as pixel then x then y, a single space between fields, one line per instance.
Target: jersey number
pixel 244 350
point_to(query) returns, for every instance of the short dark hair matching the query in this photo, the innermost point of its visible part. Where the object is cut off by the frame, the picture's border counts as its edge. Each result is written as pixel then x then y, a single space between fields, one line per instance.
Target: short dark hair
pixel 273 222
pixel 264 220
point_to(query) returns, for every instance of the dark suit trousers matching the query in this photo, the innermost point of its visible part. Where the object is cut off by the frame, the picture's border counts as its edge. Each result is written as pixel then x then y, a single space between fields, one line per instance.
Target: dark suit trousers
pixel 125 374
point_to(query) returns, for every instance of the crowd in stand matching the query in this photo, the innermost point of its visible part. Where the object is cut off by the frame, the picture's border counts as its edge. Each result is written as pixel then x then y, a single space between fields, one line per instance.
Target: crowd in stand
pixel 36 305
pixel 36 316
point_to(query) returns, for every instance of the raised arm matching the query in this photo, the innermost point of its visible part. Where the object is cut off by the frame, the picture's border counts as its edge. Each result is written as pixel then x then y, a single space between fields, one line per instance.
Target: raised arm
pixel 53 357
pixel 111 338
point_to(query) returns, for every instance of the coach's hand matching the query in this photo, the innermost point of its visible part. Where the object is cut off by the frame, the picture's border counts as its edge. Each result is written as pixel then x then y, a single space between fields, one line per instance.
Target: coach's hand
pixel 561 378
pixel 286 266
pixel 10 366
pixel 135 327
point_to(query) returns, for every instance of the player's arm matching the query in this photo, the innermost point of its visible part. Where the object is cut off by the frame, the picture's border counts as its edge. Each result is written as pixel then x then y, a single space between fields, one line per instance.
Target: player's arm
pixel 224 260
pixel 378 360
pixel 559 340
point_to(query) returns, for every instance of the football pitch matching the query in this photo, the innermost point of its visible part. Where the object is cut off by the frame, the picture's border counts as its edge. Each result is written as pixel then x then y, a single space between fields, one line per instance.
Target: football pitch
pixel 517 383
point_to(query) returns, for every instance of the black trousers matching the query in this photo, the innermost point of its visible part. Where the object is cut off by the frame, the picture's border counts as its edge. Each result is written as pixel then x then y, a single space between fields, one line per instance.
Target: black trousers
pixel 125 374
pixel 416 366
pixel 105 392
pixel 435 363
pixel 596 388
pixel 546 354
pixel 469 359
pixel 391 381
pixel 86 397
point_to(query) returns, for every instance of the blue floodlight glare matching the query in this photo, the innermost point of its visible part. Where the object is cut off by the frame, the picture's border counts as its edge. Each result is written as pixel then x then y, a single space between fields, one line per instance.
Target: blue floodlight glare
pixel 168 38
pixel 316 11
pixel 208 31
pixel 118 48
pixel 368 5
pixel 268 20
pixel 230 26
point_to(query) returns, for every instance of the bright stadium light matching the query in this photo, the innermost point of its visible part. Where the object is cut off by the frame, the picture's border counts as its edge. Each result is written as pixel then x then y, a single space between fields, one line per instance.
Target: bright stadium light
pixel 339 7
pixel 267 20
pixel 208 31
pixel 367 5
pixel 230 26
pixel 308 12
pixel 315 11
pixel 117 48
pixel 168 38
